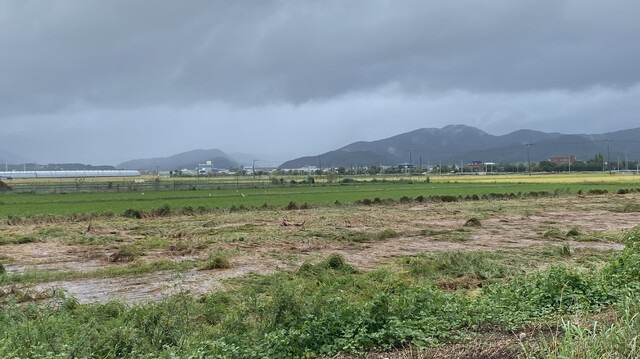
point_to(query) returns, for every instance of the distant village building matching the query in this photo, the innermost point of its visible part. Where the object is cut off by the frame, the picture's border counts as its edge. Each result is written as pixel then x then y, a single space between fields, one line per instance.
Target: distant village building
pixel 476 166
pixel 563 160
pixel 405 166
pixel 206 168
pixel 481 166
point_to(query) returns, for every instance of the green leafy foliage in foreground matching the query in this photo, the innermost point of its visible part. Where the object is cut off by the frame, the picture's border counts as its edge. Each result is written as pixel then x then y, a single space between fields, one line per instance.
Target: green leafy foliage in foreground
pixel 321 309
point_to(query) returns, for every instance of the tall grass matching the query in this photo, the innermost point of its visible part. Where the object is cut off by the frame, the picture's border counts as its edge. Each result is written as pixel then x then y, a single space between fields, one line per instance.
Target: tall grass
pixel 327 308
pixel 618 339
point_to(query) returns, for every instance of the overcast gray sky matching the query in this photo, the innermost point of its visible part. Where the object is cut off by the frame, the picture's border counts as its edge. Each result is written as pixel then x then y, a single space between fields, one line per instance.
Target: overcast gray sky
pixel 106 81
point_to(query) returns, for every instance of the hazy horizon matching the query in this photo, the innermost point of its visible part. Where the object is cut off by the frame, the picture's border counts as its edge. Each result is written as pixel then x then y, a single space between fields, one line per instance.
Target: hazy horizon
pixel 106 82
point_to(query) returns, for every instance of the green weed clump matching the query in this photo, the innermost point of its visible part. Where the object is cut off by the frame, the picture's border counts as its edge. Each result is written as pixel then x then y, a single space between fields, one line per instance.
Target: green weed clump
pixel 473 222
pixel 369 236
pixel 2 270
pixel 564 250
pixel 553 233
pixel 18 240
pixel 629 207
pixel 132 213
pixel 458 235
pixel 597 340
pixel 292 206
pixel 574 232
pixel 406 199
pixel 163 211
pixel 631 236
pixel 333 263
pixel 454 265
pixel 125 254
pixel 216 261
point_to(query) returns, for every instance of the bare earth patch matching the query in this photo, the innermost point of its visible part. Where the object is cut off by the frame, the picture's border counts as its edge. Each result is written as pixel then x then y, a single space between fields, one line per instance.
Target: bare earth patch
pixel 258 242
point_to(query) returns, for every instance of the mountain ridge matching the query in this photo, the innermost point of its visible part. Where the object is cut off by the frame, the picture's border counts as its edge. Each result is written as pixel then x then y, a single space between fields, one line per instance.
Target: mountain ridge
pixel 455 143
pixel 183 160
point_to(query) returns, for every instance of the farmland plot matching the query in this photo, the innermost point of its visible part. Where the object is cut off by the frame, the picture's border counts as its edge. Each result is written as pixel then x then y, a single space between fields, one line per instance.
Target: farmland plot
pixel 386 271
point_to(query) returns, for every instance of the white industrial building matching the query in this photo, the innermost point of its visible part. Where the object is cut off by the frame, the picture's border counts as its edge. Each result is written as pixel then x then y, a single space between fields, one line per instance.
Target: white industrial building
pixel 68 174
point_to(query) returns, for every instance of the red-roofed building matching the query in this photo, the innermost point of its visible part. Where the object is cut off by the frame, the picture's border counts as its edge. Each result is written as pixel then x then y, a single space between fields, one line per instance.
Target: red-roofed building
pixel 563 160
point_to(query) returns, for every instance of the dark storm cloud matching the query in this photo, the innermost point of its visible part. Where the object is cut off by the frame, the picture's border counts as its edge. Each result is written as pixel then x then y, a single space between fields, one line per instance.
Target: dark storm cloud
pixel 59 53
pixel 260 76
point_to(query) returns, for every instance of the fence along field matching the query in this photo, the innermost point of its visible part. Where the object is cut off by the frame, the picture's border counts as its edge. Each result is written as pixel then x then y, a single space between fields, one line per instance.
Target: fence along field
pixel 155 183
pixel 500 277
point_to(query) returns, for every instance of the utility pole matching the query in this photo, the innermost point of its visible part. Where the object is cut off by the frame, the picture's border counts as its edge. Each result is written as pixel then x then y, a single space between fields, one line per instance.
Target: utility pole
pixel 626 163
pixel 253 170
pixel 609 156
pixel 529 158
pixel 408 171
